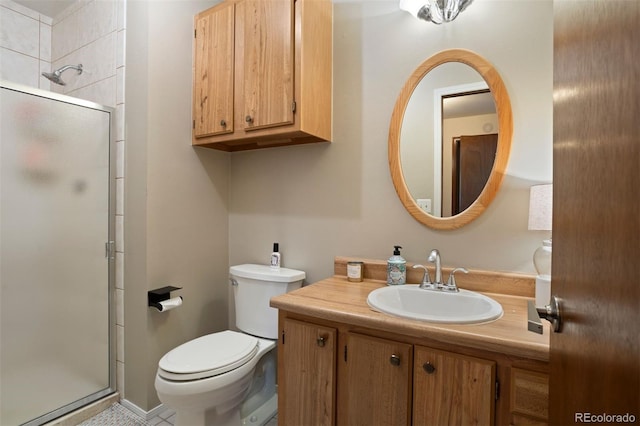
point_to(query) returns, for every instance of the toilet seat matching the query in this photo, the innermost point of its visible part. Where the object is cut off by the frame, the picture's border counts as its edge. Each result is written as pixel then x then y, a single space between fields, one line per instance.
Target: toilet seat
pixel 208 356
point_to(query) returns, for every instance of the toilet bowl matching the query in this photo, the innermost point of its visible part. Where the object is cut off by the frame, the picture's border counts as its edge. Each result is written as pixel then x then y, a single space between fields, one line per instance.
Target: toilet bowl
pixel 228 378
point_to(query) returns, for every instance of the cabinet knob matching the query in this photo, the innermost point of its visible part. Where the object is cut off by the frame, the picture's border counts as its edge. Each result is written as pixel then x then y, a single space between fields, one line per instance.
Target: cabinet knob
pixel 394 360
pixel 430 369
pixel 223 123
pixel 248 119
pixel 321 340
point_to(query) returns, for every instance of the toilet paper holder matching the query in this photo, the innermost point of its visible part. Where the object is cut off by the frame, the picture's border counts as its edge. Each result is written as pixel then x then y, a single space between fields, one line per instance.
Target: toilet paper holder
pixel 156 296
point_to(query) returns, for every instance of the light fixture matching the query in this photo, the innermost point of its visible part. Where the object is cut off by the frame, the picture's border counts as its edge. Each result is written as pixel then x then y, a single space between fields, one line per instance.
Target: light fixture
pixel 436 11
pixel 540 219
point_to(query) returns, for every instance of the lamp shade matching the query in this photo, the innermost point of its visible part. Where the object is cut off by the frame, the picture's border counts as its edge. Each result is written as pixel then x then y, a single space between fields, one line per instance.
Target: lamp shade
pixel 541 207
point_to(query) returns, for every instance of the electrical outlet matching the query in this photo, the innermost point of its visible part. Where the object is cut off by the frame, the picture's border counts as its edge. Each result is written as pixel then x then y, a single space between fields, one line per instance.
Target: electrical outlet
pixel 424 204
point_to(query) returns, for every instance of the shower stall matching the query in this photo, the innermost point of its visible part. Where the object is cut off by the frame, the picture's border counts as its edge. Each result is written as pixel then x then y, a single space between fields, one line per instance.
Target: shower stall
pixel 57 211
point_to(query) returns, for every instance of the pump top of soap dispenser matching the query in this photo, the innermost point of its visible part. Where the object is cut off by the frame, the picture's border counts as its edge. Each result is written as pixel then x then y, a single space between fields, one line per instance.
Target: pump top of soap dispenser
pixel 396 250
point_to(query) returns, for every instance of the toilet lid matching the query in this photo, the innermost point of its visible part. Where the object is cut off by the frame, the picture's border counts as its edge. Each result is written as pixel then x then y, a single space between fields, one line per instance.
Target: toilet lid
pixel 208 356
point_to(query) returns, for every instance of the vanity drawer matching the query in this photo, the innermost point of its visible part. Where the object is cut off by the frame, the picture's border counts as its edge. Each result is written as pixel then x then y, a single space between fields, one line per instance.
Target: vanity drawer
pixel 529 397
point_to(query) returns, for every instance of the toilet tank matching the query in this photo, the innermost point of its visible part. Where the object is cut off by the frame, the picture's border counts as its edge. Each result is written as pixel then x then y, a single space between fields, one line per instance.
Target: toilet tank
pixel 253 287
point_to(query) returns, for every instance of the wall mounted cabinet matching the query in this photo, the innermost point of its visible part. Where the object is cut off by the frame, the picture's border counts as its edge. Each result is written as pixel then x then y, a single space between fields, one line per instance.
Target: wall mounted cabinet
pixel 262 74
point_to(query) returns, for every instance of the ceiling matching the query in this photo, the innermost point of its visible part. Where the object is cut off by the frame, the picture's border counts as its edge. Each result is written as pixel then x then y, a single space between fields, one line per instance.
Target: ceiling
pixel 50 8
pixel 468 105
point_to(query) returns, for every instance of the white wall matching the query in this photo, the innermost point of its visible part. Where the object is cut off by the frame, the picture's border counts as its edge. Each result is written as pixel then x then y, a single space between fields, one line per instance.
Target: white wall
pixel 319 201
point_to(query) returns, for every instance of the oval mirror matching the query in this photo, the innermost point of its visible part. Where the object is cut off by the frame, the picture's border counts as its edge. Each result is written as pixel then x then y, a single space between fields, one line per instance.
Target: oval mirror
pixel 450 138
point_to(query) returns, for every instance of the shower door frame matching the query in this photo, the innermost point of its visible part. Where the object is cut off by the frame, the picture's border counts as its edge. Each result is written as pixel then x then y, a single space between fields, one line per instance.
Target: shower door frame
pixel 109 248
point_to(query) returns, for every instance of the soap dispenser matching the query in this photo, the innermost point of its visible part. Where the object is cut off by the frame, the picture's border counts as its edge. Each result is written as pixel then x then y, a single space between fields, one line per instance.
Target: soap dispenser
pixel 396 268
pixel 275 257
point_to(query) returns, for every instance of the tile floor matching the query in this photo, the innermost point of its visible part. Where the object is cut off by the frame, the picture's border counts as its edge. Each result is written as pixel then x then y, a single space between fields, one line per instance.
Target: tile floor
pixel 168 418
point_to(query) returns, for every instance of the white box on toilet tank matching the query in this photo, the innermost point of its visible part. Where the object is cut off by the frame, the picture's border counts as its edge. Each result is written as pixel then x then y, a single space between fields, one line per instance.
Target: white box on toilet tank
pixel 253 288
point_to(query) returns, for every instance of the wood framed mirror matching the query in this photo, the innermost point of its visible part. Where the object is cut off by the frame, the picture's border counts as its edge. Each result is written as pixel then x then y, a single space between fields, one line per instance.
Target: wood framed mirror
pixel 448 74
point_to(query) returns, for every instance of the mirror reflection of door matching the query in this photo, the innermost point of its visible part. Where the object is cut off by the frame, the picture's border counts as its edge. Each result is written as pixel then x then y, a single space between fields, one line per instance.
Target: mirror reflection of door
pixel 471 166
pixel 466 117
pixel 451 100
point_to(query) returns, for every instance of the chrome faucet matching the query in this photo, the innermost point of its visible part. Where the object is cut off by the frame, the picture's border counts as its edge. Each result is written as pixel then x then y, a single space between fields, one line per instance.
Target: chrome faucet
pixel 426 279
pixel 451 283
pixel 434 257
pixel 438 284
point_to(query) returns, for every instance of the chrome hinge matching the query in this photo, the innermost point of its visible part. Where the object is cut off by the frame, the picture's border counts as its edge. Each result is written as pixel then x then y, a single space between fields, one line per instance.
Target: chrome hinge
pixel 109 249
pixel 293 106
pixel 283 337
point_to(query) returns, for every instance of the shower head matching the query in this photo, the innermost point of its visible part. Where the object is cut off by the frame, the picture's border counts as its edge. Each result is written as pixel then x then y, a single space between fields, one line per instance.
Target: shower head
pixel 55 75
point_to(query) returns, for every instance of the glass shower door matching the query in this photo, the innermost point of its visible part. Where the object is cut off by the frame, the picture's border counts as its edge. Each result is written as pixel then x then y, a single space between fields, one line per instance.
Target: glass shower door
pixel 56 215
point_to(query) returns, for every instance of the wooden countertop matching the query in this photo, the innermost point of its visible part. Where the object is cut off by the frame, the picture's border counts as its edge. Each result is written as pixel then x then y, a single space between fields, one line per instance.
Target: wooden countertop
pixel 339 300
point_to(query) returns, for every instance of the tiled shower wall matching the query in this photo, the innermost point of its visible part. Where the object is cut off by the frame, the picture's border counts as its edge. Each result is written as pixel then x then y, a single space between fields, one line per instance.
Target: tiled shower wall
pixel 25 45
pixel 90 32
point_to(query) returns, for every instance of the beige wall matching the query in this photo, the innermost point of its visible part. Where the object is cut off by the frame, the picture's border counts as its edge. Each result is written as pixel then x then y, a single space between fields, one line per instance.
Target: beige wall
pixel 319 201
pixel 176 228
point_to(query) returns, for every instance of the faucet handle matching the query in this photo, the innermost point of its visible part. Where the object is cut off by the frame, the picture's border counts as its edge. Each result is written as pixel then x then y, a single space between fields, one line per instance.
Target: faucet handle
pixel 451 282
pixel 426 279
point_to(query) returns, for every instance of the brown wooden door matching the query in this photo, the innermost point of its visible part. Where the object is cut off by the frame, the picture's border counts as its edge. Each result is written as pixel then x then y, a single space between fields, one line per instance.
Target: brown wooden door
pixel 378 382
pixel 595 358
pixel 307 387
pixel 268 46
pixel 473 158
pixel 452 389
pixel 214 71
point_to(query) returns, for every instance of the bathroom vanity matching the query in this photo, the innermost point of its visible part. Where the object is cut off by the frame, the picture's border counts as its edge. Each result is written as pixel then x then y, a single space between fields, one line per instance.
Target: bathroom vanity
pixel 340 362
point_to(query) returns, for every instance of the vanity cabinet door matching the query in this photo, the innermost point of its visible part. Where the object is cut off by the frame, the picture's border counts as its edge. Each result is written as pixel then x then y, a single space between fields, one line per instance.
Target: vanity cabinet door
pixel 452 389
pixel 378 382
pixel 213 72
pixel 529 397
pixel 307 374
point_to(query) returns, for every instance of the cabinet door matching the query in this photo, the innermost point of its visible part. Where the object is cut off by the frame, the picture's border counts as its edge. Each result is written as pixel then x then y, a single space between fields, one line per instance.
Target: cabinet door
pixel 213 72
pixel 452 389
pixel 309 356
pixel 529 397
pixel 378 382
pixel 268 47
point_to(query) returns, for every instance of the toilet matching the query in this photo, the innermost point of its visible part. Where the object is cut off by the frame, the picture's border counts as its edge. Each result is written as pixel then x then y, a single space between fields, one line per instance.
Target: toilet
pixel 229 378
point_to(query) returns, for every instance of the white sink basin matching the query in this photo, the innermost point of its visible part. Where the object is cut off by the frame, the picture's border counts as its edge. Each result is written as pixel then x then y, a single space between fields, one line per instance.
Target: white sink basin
pixel 412 302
